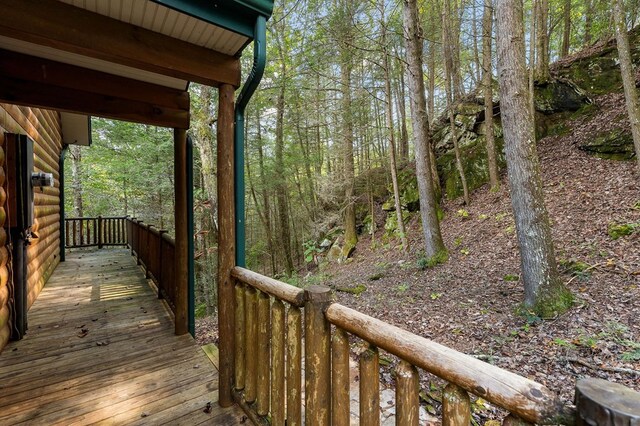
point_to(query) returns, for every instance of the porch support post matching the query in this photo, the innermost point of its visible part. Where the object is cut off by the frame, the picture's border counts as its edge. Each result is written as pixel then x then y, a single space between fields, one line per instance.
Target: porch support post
pixel 226 243
pixel 181 253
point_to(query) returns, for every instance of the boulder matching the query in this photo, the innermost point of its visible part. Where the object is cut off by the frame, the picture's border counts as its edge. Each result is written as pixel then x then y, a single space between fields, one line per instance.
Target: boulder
pixel 616 144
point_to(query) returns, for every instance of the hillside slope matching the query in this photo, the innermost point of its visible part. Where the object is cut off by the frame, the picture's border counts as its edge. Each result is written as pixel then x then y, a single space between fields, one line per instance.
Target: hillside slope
pixel 470 302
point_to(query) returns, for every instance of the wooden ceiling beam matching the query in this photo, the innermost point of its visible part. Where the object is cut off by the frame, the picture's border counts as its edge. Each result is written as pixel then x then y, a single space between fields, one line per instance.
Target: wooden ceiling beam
pixel 25 67
pixel 61 26
pixel 42 95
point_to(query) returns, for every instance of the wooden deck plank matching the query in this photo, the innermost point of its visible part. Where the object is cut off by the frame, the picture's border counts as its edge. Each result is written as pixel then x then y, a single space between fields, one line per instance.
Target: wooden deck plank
pixel 143 374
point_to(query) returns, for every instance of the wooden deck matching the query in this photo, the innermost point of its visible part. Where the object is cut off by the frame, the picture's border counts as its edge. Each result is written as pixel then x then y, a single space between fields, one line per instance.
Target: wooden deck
pixel 101 349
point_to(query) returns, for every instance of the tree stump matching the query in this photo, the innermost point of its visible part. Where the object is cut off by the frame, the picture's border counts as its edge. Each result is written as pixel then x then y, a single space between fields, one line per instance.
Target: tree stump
pixel 603 403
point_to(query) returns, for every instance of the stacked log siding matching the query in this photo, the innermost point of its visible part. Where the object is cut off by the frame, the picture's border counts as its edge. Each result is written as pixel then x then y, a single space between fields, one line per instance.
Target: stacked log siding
pixel 43 255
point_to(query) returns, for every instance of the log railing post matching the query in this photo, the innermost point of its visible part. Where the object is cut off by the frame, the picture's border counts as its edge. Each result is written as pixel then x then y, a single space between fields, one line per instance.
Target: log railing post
pixel 340 410
pixel 603 403
pixel 263 354
pixel 226 242
pixel 317 357
pixel 456 406
pixel 407 401
pixel 294 366
pixel 240 337
pixel 251 343
pixel 278 332
pixel 99 232
pixel 370 387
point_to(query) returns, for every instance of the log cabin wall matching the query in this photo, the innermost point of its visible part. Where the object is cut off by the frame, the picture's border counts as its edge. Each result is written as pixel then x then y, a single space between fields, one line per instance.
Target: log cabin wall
pixel 43 255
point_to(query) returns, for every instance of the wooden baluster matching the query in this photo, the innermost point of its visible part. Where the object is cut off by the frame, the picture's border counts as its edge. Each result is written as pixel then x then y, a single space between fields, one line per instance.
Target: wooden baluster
pixel 294 366
pixel 407 401
pixel 277 363
pixel 66 230
pixel 95 232
pixel 75 237
pixel 340 414
pixel 264 328
pixel 161 263
pixel 370 387
pixel 88 232
pixel 113 231
pixel 240 337
pixel 317 357
pixel 100 233
pixel 456 406
pixel 251 344
pixel 82 232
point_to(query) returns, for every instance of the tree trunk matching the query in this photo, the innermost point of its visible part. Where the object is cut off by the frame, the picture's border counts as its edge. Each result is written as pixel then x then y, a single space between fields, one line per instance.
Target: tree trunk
pixel 449 92
pixel 282 192
pixel 203 132
pixel 566 33
pixel 404 135
pixel 542 41
pixel 544 291
pixel 434 246
pixel 451 40
pixel 346 65
pixel 588 21
pixel 487 81
pixel 76 180
pixel 628 75
pixel 389 114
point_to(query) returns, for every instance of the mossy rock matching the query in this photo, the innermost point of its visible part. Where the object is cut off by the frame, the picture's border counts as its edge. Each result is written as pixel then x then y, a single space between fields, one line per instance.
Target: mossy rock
pixel 408 187
pixel 558 96
pixel 475 165
pixel 616 144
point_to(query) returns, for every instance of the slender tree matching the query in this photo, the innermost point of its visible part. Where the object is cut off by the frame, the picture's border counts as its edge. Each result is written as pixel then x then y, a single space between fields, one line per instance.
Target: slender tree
pixel 544 291
pixel 434 246
pixel 386 64
pixel 347 9
pixel 487 82
pixel 628 74
pixel 542 40
pixel 448 55
pixel 566 33
pixel 282 193
pixel 76 180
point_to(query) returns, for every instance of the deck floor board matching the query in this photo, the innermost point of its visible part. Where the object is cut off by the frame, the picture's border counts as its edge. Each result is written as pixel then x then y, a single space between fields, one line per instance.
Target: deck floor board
pixel 101 349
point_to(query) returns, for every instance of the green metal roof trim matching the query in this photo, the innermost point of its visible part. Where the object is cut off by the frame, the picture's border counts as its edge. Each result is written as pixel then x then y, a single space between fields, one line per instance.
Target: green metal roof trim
pixel 238 16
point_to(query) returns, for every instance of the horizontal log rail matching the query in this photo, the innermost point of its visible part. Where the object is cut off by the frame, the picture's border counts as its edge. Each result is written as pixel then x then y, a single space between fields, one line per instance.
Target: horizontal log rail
pixel 154 250
pixel 270 318
pixel 95 231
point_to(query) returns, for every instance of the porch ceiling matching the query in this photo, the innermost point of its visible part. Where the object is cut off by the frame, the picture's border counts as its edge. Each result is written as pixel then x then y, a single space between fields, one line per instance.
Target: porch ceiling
pixel 165 43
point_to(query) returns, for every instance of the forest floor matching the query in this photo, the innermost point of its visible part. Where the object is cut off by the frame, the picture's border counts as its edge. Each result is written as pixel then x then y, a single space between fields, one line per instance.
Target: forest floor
pixel 471 303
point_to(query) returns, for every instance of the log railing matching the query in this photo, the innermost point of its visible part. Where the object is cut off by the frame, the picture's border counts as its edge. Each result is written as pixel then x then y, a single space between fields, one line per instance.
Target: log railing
pixel 95 231
pixel 269 320
pixel 154 250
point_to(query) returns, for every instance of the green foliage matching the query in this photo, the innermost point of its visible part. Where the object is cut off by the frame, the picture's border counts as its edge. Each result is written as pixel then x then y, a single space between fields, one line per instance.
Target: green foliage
pixel 201 310
pixel 310 250
pixel 435 296
pixel 403 287
pixel 511 277
pixel 465 251
pixel 462 213
pixel 616 230
pixel 457 242
pixel 430 262
pixel 576 268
